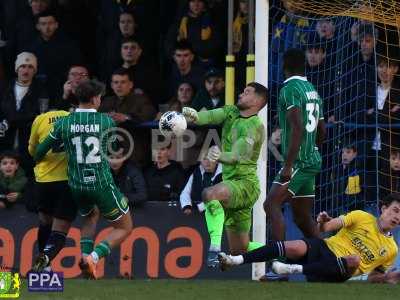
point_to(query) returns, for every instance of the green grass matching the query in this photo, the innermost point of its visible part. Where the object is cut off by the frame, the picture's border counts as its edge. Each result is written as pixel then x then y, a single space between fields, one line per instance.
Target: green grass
pixel 78 289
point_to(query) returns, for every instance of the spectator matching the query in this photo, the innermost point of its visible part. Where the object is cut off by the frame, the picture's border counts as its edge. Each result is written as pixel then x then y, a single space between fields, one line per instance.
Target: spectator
pixel 127 110
pixel 206 174
pixel 389 175
pixel 76 75
pixel 326 31
pixel 12 180
pixel 55 52
pixel 165 179
pixel 358 84
pixel 346 182
pixel 197 27
pixel 213 95
pixel 25 31
pixel 109 46
pixel 185 69
pixel 143 72
pixel 384 108
pixel 240 43
pixel 129 179
pixel 320 74
pixel 183 97
pixel 20 105
pixel 275 157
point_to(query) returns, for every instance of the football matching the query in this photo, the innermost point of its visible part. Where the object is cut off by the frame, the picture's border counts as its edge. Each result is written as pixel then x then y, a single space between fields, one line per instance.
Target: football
pixel 172 123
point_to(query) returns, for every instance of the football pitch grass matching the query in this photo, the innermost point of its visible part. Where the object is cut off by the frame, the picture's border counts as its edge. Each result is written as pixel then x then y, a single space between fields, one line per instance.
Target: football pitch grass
pixel 78 289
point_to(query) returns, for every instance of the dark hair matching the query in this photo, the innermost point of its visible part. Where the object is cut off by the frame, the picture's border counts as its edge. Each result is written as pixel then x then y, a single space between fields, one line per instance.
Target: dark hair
pixel 132 40
pixel 387 60
pixel 79 65
pixel 260 90
pixel 389 199
pixel 350 146
pixel 88 89
pixel 9 154
pixel 294 61
pixel 128 12
pixel 183 45
pixel 122 72
pixel 46 13
pixel 395 152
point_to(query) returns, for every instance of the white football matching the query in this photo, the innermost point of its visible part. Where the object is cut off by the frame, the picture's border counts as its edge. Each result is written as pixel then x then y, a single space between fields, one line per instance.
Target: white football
pixel 172 123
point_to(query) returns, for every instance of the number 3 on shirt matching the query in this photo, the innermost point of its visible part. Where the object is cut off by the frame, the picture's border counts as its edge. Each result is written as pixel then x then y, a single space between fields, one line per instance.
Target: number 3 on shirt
pixel 93 156
pixel 313 116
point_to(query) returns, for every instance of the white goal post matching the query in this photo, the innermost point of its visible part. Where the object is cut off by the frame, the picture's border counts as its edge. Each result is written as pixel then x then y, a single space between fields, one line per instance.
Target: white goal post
pixel 261 76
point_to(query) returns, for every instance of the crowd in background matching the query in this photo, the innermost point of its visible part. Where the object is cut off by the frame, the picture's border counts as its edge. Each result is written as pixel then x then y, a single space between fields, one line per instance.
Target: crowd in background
pixel 156 56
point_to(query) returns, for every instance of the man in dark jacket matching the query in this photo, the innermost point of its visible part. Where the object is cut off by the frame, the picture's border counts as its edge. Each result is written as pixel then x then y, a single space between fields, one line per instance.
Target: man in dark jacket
pixel 19 106
pixel 128 109
pixel 129 179
pixel 143 71
pixel 213 94
pixel 55 53
pixel 165 179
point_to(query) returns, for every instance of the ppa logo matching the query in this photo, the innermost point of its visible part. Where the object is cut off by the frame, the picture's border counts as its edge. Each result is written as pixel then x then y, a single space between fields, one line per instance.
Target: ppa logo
pixel 46 282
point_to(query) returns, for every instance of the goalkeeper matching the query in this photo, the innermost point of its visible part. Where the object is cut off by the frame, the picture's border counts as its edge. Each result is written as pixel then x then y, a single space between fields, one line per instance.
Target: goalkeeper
pixel 230 202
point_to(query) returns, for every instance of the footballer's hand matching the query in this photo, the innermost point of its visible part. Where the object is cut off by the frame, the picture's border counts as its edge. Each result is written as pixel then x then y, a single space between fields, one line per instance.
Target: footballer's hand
pixel 392 277
pixel 323 217
pixel 190 114
pixel 213 153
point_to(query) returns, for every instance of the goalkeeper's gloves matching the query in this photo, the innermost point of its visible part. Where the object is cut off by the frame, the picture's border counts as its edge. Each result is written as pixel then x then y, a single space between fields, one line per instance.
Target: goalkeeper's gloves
pixel 190 114
pixel 213 153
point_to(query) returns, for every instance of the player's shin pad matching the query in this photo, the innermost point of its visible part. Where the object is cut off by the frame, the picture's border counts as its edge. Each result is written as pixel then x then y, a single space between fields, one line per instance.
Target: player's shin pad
pixel 215 217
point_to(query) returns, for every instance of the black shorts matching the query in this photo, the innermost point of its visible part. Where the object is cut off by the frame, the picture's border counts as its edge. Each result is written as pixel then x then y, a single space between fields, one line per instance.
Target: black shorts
pixel 55 199
pixel 318 251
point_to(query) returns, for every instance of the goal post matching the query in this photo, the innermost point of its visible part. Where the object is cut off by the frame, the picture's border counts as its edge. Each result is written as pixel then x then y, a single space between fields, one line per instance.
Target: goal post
pixel 261 76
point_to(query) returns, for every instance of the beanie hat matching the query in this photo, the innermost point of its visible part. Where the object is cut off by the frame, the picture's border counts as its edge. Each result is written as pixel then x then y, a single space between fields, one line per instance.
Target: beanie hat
pixel 26 58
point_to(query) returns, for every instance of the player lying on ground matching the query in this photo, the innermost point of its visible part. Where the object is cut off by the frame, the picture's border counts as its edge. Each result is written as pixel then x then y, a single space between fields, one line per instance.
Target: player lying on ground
pixel 55 213
pixel 363 245
pixel 85 134
pixel 230 202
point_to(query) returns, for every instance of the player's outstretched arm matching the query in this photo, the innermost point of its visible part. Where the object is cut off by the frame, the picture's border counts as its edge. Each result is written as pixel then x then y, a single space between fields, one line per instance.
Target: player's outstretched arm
pixel 327 223
pixel 212 117
pixel 242 150
pixel 44 147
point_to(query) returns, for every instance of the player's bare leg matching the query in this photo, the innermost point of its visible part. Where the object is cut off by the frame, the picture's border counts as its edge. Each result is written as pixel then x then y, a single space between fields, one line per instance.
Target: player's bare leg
pixel 238 242
pixel 122 227
pixel 273 208
pixel 302 208
pixel 215 198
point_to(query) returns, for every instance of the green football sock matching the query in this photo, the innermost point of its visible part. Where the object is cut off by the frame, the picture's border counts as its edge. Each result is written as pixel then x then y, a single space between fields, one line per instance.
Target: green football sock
pixel 102 249
pixel 215 217
pixel 254 245
pixel 86 245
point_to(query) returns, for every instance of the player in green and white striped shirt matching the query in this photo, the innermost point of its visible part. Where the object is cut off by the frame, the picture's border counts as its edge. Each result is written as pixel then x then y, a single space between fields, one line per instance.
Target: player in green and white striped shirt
pixel 303 129
pixel 85 134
